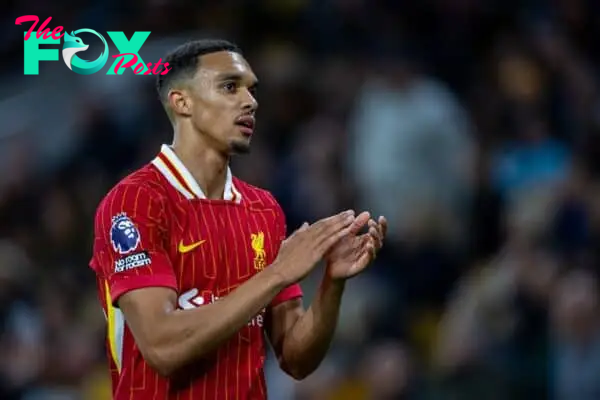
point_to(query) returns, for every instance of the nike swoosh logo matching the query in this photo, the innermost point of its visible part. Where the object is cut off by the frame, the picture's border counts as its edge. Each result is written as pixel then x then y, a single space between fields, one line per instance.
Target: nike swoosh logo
pixel 187 248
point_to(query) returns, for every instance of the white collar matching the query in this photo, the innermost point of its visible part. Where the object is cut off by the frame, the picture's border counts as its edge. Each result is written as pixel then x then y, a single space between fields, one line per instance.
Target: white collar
pixel 181 179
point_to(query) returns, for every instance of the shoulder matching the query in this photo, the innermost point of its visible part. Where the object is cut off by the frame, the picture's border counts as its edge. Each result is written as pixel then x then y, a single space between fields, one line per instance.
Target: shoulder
pixel 141 191
pixel 256 197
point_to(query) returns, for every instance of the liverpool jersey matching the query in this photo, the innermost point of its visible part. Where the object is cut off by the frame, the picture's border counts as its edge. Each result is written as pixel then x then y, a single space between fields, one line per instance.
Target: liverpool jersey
pixel 156 228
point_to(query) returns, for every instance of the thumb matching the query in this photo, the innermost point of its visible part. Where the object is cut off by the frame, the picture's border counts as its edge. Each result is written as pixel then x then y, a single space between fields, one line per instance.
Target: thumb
pixel 302 228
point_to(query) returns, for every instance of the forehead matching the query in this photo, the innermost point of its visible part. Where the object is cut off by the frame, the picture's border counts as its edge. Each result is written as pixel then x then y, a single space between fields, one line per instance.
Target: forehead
pixel 225 63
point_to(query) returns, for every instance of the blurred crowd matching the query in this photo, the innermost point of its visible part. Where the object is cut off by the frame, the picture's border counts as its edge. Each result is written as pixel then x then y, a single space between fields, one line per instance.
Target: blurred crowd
pixel 472 125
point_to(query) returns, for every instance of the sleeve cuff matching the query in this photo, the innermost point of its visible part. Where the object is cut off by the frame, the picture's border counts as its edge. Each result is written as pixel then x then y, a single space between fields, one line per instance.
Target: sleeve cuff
pixel 127 284
pixel 289 293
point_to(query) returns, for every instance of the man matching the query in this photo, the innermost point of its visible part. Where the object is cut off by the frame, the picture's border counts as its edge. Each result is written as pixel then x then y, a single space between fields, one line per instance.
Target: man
pixel 191 262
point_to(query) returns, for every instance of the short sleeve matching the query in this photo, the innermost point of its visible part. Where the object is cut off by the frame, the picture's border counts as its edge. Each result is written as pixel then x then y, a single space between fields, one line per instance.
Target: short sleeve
pixel 294 291
pixel 129 241
pixel 289 293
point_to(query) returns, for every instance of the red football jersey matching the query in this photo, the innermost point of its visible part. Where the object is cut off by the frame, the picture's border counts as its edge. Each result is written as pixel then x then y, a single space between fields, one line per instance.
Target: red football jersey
pixel 156 228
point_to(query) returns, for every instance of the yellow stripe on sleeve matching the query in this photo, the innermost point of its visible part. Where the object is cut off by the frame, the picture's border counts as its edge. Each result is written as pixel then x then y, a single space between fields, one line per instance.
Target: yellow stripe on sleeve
pixel 115 329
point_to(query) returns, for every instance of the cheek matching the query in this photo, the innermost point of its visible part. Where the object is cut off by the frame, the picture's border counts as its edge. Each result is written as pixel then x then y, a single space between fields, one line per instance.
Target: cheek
pixel 212 111
pixel 221 121
pixel 201 114
pixel 204 117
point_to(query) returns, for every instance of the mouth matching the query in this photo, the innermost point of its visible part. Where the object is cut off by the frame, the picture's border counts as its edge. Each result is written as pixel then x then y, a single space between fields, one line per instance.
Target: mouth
pixel 246 124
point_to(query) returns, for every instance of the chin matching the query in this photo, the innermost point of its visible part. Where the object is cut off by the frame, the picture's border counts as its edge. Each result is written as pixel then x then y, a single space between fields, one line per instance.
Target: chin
pixel 240 147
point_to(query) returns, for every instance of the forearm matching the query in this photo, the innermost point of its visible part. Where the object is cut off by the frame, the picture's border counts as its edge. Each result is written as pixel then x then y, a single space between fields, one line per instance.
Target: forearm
pixel 306 343
pixel 187 335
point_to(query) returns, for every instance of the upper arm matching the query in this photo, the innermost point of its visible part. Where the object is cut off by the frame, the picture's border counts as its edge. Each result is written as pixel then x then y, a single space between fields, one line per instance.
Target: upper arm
pixel 145 310
pixel 293 291
pixel 280 319
pixel 130 236
pixel 286 308
pixel 131 260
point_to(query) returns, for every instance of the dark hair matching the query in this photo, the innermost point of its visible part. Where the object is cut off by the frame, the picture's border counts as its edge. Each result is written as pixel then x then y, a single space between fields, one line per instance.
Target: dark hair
pixel 185 59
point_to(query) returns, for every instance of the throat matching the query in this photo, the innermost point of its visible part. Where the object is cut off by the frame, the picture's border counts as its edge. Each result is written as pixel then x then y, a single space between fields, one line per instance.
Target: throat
pixel 214 188
pixel 208 169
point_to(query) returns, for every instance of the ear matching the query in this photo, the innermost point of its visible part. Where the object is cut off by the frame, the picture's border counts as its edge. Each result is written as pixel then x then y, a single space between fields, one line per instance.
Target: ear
pixel 180 102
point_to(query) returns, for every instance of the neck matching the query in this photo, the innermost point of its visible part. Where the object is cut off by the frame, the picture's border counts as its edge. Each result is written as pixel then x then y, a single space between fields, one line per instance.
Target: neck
pixel 207 165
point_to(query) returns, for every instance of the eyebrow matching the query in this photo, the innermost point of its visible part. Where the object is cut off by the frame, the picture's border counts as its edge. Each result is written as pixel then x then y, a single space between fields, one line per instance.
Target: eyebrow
pixel 236 77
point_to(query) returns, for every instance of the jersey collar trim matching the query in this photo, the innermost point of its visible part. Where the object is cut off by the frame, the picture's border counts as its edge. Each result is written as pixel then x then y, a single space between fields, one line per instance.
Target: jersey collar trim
pixel 171 167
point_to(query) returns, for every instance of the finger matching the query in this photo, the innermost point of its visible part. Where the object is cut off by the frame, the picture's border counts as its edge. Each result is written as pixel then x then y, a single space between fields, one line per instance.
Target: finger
pixel 374 229
pixel 383 224
pixel 361 264
pixel 376 236
pixel 380 230
pixel 372 250
pixel 359 222
pixel 329 241
pixel 369 244
pixel 304 227
pixel 378 226
pixel 336 224
pixel 329 222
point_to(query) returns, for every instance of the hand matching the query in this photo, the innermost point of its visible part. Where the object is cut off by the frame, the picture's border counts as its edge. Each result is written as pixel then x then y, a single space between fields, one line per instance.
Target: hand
pixel 301 251
pixel 352 254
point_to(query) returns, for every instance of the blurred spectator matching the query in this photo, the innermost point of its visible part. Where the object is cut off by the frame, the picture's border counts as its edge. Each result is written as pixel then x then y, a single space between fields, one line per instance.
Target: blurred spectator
pixel 494 328
pixel 576 350
pixel 411 149
pixel 21 333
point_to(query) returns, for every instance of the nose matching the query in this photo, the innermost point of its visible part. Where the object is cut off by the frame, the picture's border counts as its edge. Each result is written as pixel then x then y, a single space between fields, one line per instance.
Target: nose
pixel 250 104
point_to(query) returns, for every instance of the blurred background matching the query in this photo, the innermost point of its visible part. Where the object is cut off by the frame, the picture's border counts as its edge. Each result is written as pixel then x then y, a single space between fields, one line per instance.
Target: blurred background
pixel 473 125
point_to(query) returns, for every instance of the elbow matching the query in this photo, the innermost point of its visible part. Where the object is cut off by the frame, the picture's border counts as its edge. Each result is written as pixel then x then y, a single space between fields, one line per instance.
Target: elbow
pixel 299 375
pixel 167 356
pixel 296 371
pixel 160 361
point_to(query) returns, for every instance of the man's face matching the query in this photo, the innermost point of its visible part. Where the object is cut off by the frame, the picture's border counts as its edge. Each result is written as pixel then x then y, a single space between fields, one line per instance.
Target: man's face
pixel 223 102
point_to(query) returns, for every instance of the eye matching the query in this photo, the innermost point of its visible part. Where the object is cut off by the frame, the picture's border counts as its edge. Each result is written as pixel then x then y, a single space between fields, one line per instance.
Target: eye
pixel 229 87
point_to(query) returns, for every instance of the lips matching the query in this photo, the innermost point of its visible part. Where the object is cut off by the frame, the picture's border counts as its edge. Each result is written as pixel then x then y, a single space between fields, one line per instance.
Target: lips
pixel 246 123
